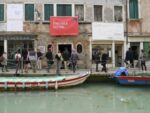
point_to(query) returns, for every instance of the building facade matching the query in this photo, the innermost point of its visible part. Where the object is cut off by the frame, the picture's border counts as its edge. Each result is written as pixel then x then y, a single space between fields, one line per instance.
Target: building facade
pixel 138 26
pixel 26 24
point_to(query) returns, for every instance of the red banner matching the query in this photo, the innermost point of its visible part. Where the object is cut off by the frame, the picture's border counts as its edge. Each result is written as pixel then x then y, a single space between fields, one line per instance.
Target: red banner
pixel 64 25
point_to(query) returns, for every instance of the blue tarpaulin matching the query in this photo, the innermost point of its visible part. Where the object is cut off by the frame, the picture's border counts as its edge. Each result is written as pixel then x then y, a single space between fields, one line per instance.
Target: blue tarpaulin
pixel 122 71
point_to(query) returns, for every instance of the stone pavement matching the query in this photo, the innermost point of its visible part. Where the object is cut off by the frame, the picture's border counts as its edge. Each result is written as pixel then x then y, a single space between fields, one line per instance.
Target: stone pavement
pixel 53 72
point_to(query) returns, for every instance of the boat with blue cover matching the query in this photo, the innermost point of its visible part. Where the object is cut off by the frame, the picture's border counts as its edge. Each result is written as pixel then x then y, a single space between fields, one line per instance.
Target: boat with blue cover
pixel 122 76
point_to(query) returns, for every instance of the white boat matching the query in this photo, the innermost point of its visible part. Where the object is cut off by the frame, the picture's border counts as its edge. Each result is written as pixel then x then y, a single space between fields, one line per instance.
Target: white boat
pixel 43 82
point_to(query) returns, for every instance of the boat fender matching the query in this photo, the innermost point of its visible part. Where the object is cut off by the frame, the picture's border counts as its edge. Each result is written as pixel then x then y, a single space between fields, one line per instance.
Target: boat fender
pixel 56 85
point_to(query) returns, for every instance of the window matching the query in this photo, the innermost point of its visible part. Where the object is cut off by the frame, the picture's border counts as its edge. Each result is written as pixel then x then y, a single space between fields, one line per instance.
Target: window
pixel 29 12
pixel 48 11
pixel 97 13
pixel 1 12
pixel 79 48
pixel 118 13
pixel 64 10
pixel 79 11
pixel 133 9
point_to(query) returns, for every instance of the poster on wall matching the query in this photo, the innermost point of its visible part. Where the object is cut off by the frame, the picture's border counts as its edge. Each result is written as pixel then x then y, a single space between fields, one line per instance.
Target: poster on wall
pixel 64 25
pixel 42 49
pixel 107 31
pixel 15 17
pixel 14 25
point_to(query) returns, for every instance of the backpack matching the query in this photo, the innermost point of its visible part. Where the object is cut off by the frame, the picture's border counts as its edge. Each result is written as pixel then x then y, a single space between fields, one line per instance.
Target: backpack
pixel 1 58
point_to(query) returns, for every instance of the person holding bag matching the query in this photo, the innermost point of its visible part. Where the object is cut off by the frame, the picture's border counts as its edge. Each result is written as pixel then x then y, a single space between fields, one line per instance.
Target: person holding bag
pixel 59 60
pixel 4 62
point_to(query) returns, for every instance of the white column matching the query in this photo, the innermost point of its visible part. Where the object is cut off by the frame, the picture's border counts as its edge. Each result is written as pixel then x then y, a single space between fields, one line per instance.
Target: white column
pixel 141 46
pixel 55 9
pixel 73 9
pixel 5 46
pixel 113 53
pixel 35 45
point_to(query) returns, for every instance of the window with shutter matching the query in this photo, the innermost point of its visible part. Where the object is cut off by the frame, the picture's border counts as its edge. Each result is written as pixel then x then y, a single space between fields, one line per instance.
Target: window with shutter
pixel 29 12
pixel 1 12
pixel 64 10
pixel 133 9
pixel 118 13
pixel 48 11
pixel 98 13
pixel 79 11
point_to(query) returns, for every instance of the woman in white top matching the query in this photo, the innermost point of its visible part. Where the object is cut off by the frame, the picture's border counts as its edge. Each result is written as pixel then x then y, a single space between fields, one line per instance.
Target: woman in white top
pixel 4 62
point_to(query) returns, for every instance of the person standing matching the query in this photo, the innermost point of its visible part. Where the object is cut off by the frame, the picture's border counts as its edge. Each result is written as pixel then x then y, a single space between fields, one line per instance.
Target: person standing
pixel 59 59
pixel 74 57
pixel 33 59
pixel 49 56
pixel 129 57
pixel 18 61
pixel 4 62
pixel 25 60
pixel 104 61
pixel 66 56
pixel 97 60
pixel 39 58
pixel 143 60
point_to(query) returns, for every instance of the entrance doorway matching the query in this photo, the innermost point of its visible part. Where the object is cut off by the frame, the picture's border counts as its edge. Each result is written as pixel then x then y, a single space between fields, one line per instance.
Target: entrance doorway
pixel 118 55
pixel 136 50
pixel 62 47
pixel 1 47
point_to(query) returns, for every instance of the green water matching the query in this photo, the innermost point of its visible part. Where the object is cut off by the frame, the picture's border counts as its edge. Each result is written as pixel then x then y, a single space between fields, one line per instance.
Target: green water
pixel 86 98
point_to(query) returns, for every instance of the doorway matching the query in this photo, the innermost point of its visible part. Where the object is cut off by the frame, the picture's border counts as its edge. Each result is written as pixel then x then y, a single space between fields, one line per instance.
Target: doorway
pixel 136 50
pixel 62 47
pixel 1 47
pixel 118 55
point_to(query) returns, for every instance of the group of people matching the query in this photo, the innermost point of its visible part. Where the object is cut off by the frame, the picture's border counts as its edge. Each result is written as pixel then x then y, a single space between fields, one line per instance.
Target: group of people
pixel 101 58
pixel 129 59
pixel 24 58
pixel 64 57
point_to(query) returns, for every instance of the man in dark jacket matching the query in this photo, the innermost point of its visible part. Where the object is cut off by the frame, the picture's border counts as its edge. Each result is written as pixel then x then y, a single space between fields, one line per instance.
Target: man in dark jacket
pixel 129 57
pixel 97 59
pixel 104 61
pixel 49 57
pixel 74 57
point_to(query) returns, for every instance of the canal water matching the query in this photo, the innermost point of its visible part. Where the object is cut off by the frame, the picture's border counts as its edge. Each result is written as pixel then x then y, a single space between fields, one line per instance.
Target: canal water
pixel 85 98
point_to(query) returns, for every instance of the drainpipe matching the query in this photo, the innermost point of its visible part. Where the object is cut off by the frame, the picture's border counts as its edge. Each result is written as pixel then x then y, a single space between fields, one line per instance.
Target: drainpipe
pixel 127 24
pixel 113 53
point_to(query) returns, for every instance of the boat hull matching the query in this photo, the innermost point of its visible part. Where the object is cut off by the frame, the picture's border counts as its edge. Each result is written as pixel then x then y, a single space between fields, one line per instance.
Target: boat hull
pixel 133 80
pixel 42 82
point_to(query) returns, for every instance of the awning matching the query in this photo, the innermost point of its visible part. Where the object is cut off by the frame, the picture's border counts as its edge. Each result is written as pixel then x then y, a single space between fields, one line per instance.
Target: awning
pixel 17 36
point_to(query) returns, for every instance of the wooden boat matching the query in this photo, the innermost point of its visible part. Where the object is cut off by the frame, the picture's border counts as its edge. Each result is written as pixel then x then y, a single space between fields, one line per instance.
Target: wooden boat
pixel 43 82
pixel 122 76
pixel 133 80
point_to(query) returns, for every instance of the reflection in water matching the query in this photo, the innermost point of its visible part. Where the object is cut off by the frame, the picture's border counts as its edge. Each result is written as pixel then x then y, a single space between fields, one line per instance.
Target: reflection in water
pixel 86 98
